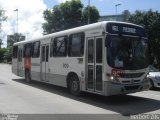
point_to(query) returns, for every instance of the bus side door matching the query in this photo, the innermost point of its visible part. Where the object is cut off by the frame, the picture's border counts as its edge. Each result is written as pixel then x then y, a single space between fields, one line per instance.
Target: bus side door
pixel 45 63
pixel 94 64
pixel 20 65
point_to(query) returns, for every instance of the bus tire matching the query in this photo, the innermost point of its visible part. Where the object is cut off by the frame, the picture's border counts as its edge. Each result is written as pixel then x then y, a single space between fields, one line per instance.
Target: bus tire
pixel 74 86
pixel 27 76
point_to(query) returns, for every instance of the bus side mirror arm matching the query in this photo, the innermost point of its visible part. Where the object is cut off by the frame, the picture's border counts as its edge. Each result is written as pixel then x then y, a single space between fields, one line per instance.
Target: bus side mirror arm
pixel 107 38
pixel 104 32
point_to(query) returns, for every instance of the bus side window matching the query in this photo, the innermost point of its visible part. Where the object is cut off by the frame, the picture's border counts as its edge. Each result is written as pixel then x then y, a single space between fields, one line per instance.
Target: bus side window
pixel 51 47
pixel 76 45
pixel 15 51
pixel 36 49
pixel 27 50
pixel 60 46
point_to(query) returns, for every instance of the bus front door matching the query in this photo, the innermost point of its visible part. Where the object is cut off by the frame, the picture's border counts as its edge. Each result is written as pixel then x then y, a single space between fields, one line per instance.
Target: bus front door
pixel 44 63
pixel 20 66
pixel 94 64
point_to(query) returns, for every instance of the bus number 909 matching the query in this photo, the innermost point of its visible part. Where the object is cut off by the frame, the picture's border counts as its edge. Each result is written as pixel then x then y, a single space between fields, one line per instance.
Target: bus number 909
pixel 65 65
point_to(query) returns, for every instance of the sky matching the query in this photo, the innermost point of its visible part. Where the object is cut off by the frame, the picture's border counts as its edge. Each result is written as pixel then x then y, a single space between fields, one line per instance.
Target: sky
pixel 30 13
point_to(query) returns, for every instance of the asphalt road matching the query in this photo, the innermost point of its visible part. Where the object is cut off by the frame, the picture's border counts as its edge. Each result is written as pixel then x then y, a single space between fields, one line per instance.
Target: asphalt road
pixel 18 97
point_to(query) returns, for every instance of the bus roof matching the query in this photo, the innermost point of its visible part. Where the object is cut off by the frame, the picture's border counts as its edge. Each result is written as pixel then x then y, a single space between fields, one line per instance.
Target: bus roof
pixel 74 30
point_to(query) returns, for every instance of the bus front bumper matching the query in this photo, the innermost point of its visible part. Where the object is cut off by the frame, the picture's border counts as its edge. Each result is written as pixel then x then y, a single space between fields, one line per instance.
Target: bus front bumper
pixel 117 89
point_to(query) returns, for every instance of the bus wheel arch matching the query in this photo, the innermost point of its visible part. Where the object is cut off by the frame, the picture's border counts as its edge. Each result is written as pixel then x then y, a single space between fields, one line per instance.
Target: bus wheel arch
pixel 73 84
pixel 27 76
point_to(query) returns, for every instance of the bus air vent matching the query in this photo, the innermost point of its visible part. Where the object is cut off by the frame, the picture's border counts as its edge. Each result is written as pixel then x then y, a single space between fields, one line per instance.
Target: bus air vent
pixel 135 87
pixel 130 75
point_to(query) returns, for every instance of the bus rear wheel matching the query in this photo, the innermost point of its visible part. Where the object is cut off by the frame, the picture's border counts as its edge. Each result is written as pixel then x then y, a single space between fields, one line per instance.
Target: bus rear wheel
pixel 27 76
pixel 74 86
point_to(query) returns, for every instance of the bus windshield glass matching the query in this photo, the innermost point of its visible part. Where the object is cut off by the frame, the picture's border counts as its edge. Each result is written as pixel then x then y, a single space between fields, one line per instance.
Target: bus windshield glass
pixel 127 52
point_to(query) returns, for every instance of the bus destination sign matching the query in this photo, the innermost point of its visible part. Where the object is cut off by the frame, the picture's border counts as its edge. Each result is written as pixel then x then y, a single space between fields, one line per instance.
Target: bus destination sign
pixel 119 28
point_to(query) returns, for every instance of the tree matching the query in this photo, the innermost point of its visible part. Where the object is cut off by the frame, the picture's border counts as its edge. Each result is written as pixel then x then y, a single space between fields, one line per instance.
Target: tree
pixel 2 17
pixel 126 15
pixel 94 15
pixel 16 37
pixel 150 20
pixel 8 54
pixel 2 54
pixel 64 16
pixel 67 15
pixel 0 43
pixel 71 13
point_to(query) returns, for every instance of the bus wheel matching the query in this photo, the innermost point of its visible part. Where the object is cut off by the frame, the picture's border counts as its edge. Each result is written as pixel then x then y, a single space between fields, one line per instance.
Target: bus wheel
pixel 74 86
pixel 27 76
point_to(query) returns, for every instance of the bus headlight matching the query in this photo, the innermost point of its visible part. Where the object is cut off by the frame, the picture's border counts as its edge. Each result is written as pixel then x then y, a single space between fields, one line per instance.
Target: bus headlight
pixel 111 77
pixel 114 79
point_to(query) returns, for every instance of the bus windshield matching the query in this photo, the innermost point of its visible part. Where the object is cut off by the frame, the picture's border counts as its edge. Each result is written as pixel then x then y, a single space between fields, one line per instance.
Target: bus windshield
pixel 127 52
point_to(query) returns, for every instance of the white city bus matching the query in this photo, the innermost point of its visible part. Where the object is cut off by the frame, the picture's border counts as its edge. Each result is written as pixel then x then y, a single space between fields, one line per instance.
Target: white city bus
pixel 106 58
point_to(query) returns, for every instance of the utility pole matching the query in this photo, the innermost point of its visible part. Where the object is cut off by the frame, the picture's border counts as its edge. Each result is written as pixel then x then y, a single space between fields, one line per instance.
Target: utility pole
pixel 88 11
pixel 117 6
pixel 16 10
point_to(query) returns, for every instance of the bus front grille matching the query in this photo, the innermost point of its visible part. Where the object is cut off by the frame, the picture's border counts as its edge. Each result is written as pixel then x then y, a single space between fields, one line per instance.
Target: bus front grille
pixel 130 75
pixel 130 81
pixel 135 87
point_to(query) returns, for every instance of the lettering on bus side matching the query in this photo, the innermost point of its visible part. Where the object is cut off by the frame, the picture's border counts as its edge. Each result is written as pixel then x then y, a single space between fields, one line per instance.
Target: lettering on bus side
pixel 65 65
